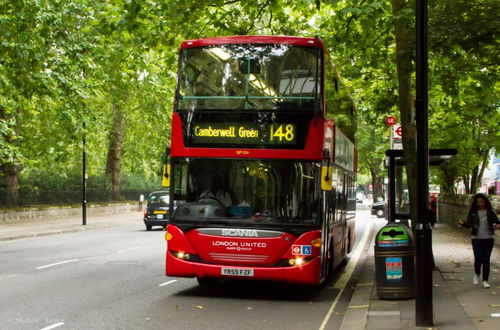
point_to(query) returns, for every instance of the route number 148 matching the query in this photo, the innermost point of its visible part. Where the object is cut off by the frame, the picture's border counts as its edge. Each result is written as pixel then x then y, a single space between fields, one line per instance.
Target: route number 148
pixel 282 133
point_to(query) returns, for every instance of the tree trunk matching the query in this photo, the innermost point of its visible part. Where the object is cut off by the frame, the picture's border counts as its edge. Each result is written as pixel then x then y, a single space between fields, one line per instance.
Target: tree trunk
pixel 376 183
pixel 466 184
pixel 404 53
pixel 113 163
pixel 477 174
pixel 11 172
pixel 449 177
pixel 473 180
pixel 401 199
pixel 10 169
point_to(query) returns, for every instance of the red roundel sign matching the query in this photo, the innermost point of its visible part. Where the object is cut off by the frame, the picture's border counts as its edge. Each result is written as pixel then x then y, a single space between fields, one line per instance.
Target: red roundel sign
pixel 391 120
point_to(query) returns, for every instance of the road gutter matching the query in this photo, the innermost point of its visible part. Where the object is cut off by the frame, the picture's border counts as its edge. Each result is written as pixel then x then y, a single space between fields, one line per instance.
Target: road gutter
pixel 346 276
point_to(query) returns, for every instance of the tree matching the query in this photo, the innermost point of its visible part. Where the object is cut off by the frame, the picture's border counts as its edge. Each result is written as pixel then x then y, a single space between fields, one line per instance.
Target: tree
pixel 465 91
pixel 113 65
pixel 38 72
pixel 372 142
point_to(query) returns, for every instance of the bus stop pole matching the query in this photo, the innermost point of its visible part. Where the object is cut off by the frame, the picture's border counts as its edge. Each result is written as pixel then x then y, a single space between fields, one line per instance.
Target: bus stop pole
pixel 423 240
pixel 84 180
pixel 391 193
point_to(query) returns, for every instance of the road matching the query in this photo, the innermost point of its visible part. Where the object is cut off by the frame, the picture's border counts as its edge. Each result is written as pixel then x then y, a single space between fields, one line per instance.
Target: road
pixel 114 278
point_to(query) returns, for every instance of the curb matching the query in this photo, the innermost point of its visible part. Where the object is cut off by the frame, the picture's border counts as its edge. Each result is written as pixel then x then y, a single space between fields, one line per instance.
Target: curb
pixel 356 315
pixel 52 232
pixel 42 234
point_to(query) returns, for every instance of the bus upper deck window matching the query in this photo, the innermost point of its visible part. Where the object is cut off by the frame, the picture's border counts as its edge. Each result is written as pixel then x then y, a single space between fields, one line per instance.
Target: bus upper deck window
pixel 249 65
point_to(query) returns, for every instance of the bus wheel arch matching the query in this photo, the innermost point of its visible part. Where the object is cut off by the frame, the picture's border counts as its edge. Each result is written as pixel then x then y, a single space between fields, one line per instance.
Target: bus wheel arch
pixel 349 240
pixel 330 261
pixel 347 250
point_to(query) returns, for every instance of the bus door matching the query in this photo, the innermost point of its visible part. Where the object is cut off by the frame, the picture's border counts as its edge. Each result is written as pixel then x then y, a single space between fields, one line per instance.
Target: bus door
pixel 339 214
pixel 328 207
pixel 324 232
pixel 326 193
pixel 345 195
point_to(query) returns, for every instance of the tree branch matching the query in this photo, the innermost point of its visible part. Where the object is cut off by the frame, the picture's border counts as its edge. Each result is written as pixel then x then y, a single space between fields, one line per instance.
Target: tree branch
pixel 372 43
pixel 261 8
pixel 270 21
pixel 225 3
pixel 208 21
pixel 350 20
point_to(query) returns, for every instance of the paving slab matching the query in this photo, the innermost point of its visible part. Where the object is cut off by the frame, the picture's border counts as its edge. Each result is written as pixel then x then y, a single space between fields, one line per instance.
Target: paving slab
pixel 458 304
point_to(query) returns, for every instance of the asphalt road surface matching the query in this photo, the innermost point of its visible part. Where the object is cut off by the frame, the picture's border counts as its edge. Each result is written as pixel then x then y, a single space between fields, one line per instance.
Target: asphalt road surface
pixel 114 279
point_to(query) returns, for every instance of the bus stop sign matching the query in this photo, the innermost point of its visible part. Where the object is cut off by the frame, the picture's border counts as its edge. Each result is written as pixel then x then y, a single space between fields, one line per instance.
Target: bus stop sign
pixel 398 132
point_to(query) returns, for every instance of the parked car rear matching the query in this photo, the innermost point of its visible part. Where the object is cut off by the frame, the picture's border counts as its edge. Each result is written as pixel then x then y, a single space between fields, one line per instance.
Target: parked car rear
pixel 157 209
pixel 378 209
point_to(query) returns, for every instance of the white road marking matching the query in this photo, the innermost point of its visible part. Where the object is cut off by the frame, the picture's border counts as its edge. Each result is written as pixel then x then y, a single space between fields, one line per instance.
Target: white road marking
pixel 167 283
pixel 129 249
pixel 344 278
pixel 57 263
pixel 53 326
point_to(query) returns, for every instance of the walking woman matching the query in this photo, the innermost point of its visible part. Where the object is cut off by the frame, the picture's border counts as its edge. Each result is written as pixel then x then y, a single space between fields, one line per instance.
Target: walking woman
pixel 483 221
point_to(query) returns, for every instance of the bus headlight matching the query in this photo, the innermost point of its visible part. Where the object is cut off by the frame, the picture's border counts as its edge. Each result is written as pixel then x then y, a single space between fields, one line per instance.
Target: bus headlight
pixel 183 256
pixel 296 261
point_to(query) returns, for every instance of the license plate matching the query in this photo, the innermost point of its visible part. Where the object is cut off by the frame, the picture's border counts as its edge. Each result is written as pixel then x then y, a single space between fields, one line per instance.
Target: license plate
pixel 159 216
pixel 236 271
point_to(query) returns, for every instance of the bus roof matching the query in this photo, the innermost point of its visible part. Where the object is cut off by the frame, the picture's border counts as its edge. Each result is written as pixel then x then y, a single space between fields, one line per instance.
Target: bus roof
pixel 299 41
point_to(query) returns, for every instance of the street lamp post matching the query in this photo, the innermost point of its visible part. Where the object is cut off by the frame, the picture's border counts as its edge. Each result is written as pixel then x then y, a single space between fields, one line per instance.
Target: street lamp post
pixel 423 233
pixel 84 179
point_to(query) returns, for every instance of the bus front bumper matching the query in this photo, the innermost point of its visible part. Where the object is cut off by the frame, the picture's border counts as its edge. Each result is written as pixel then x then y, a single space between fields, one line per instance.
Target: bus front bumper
pixel 308 273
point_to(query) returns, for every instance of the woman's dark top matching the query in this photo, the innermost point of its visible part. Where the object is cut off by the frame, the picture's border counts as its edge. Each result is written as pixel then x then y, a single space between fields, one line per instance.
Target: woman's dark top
pixel 473 222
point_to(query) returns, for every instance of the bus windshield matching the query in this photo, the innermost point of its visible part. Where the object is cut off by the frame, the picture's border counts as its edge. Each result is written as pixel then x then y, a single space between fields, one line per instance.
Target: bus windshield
pixel 249 76
pixel 274 192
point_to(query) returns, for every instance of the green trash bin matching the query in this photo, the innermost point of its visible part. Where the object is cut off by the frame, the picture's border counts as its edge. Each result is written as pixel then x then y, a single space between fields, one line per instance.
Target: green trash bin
pixel 394 262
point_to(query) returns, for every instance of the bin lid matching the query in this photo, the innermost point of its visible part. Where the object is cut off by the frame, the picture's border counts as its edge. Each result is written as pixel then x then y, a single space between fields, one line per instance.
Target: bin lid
pixel 393 235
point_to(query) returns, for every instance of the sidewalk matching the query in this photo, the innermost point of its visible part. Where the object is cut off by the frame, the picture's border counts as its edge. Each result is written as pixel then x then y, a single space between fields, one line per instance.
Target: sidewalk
pixel 45 227
pixel 457 303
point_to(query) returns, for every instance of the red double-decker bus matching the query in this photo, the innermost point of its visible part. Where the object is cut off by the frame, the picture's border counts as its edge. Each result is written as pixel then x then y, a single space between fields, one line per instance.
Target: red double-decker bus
pixel 261 181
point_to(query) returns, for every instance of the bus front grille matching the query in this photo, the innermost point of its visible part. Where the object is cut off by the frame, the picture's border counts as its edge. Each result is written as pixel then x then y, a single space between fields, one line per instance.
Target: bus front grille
pixel 252 258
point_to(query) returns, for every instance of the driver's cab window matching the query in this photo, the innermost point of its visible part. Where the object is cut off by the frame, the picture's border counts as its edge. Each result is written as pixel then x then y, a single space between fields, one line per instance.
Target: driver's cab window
pixel 181 181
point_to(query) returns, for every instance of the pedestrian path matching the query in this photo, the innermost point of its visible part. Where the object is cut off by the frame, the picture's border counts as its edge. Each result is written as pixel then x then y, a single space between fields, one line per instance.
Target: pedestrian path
pixel 48 226
pixel 458 304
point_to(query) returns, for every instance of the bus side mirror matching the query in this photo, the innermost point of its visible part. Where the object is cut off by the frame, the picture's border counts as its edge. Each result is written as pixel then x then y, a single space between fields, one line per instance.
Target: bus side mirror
pixel 326 177
pixel 326 172
pixel 165 181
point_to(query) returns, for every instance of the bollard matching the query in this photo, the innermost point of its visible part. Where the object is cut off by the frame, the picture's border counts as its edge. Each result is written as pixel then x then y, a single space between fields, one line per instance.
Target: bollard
pixel 141 200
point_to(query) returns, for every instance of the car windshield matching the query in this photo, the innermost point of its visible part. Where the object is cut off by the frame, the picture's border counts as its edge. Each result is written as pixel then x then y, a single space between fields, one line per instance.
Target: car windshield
pixel 249 77
pixel 159 198
pixel 247 191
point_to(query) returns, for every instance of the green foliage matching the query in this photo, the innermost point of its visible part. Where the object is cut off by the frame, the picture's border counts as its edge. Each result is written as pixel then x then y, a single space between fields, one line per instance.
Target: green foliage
pixel 464 106
pixel 63 63
pixel 47 187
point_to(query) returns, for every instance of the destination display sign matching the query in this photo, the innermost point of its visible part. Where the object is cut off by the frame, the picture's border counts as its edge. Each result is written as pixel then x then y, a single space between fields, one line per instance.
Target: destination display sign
pixel 243 133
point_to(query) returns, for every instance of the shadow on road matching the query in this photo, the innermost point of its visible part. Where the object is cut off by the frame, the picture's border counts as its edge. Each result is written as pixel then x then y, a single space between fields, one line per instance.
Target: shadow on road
pixel 264 290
